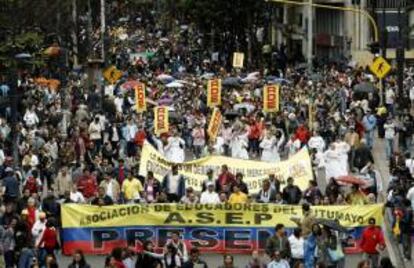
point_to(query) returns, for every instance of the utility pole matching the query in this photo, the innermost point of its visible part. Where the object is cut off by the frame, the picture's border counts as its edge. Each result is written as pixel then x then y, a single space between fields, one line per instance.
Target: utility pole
pixel 400 50
pixel 75 32
pixel 310 36
pixel 103 29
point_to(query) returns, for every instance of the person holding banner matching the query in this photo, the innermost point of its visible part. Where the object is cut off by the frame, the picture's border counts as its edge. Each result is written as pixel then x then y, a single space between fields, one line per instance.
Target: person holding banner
pixel 270 146
pixel 173 185
pixel 174 150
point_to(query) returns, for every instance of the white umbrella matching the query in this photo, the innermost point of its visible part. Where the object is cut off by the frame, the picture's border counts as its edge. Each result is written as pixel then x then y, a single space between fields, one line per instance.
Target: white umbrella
pixel 174 85
pixel 165 77
pixel 207 76
pixel 250 79
pixel 254 74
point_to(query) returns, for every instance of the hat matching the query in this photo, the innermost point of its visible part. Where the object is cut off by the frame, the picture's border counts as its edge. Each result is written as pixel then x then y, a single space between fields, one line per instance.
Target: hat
pixel 25 212
pixel 9 169
pixel 210 183
pixel 42 215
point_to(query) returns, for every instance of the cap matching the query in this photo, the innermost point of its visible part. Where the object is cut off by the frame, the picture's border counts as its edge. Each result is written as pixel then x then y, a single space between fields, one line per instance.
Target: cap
pixel 25 212
pixel 210 184
pixel 9 169
pixel 42 215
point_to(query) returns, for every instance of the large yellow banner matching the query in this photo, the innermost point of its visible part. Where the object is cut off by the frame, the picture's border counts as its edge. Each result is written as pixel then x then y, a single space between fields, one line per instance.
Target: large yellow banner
pixel 219 228
pixel 298 167
pixel 225 215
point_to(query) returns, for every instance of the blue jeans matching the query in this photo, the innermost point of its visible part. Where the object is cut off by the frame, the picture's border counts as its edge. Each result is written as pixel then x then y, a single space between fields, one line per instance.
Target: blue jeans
pixel 309 247
pixel 389 147
pixel 26 258
pixel 370 138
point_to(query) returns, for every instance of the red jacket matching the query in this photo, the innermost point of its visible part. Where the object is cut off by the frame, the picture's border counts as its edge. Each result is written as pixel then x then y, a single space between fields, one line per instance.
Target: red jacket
pixel 49 239
pixel 88 186
pixel 302 134
pixel 371 238
pixel 140 137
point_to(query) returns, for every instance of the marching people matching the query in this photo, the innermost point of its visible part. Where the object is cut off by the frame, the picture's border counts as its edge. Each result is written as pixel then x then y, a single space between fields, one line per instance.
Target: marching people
pixel 84 145
pixel 372 242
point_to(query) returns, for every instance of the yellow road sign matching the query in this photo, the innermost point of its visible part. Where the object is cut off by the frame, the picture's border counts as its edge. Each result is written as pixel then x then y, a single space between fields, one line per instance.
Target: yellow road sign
pixel 112 74
pixel 380 67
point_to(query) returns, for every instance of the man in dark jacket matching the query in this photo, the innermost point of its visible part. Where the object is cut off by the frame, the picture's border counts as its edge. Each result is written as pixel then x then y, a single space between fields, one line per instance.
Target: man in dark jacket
pixel 195 260
pixel 11 186
pixel 406 228
pixel 362 156
pixel 291 193
pixel 278 242
pixel 173 185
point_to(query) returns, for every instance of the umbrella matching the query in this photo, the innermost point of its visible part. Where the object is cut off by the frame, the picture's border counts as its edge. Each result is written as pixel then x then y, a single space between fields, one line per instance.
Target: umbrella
pixel 23 56
pixel 174 85
pixel 128 85
pixel 165 101
pixel 364 88
pixel 231 115
pixel 348 180
pixel 165 78
pixel 332 224
pixel 316 77
pixel 279 81
pixel 250 79
pixel 207 76
pixel 231 81
pixel 248 106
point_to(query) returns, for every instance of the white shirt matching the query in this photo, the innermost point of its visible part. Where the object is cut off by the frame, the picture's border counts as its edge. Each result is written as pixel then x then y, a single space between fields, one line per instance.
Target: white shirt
pixel 109 191
pixel 37 230
pixel 2 157
pixel 77 197
pixel 209 198
pixel 389 96
pixel 296 247
pixel 30 118
pixel 173 184
pixel 389 130
pixel 95 131
pixel 410 196
pixel 409 163
pixel 278 264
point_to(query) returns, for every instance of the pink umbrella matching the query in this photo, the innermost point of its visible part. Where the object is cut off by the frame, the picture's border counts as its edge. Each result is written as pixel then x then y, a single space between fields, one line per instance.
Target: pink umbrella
pixel 128 85
pixel 349 180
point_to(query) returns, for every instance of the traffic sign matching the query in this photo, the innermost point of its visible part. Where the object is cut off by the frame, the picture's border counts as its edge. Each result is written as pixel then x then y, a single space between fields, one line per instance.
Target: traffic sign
pixel 380 67
pixel 112 74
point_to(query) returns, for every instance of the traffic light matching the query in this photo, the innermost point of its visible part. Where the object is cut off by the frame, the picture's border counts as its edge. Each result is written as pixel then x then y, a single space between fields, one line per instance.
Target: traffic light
pixel 374 48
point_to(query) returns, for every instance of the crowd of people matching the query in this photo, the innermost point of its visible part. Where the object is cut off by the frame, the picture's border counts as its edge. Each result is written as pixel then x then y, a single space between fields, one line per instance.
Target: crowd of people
pixel 74 144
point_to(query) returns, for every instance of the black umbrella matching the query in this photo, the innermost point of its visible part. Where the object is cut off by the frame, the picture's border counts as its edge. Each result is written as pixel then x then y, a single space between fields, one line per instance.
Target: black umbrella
pixel 232 82
pixel 364 88
pixel 231 115
pixel 332 224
